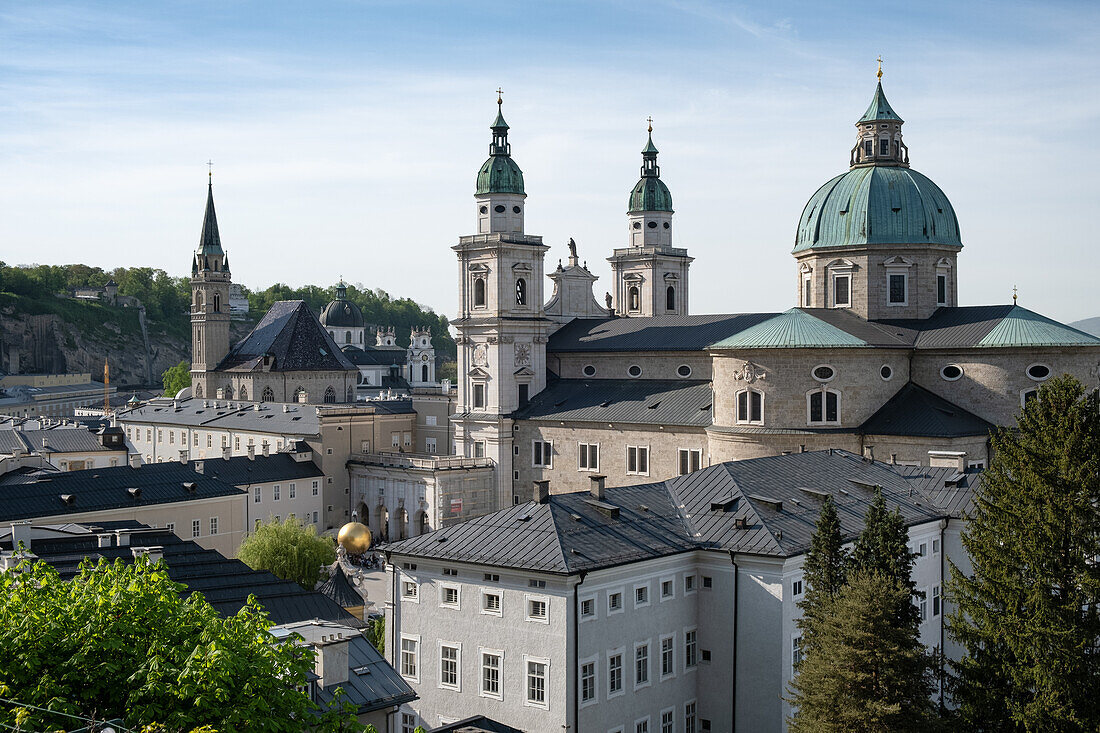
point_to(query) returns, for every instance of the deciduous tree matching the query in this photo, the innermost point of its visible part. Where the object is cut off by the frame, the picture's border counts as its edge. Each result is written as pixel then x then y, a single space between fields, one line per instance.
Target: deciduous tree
pixel 289 550
pixel 176 378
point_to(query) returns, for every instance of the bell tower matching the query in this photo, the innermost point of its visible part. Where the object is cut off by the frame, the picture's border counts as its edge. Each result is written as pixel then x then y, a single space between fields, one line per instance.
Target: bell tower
pixel 210 279
pixel 650 275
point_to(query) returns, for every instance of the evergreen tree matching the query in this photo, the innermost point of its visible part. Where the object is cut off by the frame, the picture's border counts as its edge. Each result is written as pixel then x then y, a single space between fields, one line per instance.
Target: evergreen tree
pixel 865 672
pixel 1028 616
pixel 883 547
pixel 823 571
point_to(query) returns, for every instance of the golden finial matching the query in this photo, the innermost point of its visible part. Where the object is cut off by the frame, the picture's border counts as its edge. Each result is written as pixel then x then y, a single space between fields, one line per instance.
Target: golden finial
pixel 650 121
pixel 500 99
pixel 1014 295
pixel 210 171
pixel 879 75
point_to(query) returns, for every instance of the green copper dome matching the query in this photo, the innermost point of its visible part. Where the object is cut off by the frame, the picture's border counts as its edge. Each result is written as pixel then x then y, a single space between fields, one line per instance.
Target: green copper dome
pixel 500 174
pixel 650 194
pixel 877 205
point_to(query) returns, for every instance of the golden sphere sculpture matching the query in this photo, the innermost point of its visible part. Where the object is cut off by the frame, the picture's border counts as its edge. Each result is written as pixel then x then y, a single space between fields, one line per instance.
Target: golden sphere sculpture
pixel 355 537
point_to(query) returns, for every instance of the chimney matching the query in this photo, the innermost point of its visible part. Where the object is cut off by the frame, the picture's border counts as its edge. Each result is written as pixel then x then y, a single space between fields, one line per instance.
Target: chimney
pixel 135 460
pixel 227 452
pixel 894 458
pixel 123 536
pixel 251 452
pixel 103 540
pixel 183 455
pixel 198 466
pixel 152 553
pixel 21 532
pixel 802 448
pixel 596 487
pixel 542 492
pixel 331 663
pixel 266 448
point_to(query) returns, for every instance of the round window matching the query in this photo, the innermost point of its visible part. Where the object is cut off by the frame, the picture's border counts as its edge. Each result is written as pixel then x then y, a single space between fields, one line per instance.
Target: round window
pixel 886 372
pixel 515 209
pixel 667 225
pixel 823 373
pixel 637 225
pixel 589 370
pixel 1038 372
pixel 683 370
pixel 634 370
pixel 951 372
pixel 651 224
pixel 484 209
pixel 499 209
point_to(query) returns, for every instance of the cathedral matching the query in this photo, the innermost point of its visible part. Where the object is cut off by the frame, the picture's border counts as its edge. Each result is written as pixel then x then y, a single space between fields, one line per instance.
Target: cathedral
pixel 876 357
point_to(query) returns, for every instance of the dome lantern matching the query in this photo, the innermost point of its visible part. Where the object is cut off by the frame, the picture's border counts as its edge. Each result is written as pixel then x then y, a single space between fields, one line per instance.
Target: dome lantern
pixel 878 133
pixel 499 197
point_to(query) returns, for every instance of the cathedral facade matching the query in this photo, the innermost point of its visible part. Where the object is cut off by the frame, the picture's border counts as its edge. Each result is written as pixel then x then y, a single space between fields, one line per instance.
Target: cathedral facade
pixel 876 357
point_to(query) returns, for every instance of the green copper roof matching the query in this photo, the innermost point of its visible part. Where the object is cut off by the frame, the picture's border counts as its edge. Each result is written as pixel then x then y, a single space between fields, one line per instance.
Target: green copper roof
pixel 880 109
pixel 1022 327
pixel 791 329
pixel 499 122
pixel 877 204
pixel 500 174
pixel 650 194
pixel 649 146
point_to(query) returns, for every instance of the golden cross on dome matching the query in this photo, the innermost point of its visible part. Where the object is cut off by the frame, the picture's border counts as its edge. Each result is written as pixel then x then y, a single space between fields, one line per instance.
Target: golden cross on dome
pixel 879 75
pixel 1014 294
pixel 650 121
pixel 500 99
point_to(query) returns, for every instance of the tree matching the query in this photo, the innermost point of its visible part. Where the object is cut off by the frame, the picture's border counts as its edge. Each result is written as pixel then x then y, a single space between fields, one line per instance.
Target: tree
pixel 883 547
pixel 176 378
pixel 823 571
pixel 866 672
pixel 376 633
pixel 288 550
pixel 1027 617
pixel 118 641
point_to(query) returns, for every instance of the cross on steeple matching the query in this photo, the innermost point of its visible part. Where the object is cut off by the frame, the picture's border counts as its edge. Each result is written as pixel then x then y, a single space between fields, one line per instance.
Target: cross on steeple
pixel 1013 294
pixel 879 75
pixel 210 170
pixel 500 99
pixel 650 121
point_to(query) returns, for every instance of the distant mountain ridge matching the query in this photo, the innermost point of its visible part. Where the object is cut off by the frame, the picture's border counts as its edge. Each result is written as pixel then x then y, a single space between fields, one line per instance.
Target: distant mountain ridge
pixel 1088 325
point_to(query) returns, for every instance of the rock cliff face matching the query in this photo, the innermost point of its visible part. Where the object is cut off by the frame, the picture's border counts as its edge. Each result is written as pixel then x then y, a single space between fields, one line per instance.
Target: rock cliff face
pixel 84 335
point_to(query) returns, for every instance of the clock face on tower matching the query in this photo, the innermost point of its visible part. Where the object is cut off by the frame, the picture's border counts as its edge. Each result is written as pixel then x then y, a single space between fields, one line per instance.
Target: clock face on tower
pixel 523 354
pixel 423 357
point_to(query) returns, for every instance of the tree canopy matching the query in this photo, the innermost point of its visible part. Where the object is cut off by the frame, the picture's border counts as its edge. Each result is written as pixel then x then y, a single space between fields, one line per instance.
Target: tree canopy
pixel 1028 615
pixel 288 550
pixel 176 378
pixel 118 641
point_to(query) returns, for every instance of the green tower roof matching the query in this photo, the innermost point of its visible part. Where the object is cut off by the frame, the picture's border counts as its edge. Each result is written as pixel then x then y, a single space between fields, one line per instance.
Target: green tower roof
pixel 500 174
pixel 880 109
pixel 650 193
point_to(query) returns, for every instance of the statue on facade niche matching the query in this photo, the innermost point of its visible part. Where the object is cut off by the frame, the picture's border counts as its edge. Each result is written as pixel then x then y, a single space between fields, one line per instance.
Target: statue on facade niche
pixel 572 251
pixel 607 299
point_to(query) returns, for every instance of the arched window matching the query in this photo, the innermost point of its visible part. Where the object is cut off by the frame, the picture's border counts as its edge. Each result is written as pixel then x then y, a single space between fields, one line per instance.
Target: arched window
pixel 521 291
pixel 635 302
pixel 347 337
pixel 198 300
pixel 300 395
pixel 330 395
pixel 670 298
pixel 268 395
pixel 198 391
pixel 244 392
pixel 823 407
pixel 228 393
pixel 424 373
pixel 217 303
pixel 479 292
pixel 750 407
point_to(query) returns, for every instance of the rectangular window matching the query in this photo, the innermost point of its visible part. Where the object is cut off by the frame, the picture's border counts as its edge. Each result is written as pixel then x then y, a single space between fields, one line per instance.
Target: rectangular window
pixel 796 587
pixel 897 289
pixel 213 525
pixel 666 589
pixel 449 596
pixel 641 665
pixel 316 488
pixel 807 291
pixel 541 453
pixel 708 582
pixel 395 440
pixel 430 445
pixel 171 526
pixel 750 406
pixel 479 449
pixel 689 584
pixel 537 609
pixel 275 492
pixel 588 608
pixel 490 603
pixel 524 394
pixel 160 435
pixel 941 289
pixel 641 596
pixel 257 494
pixel 922 549
pixel 614 602
pixel 668 665
pixel 641 726
pixel 869 147
pixel 935 600
pixel 410 658
pixel 429 420
pixel 410 590
pixel 689 717
pixel 490 674
pixel 196 441
pixel 666 722
pixel 883 146
pixel 589 456
pixel 614 674
pixel 842 291
pixel 691 459
pixel 690 648
pixel 824 407
pixel 407 439
pixel 196 528
pixel 922 605
pixel 448 667
pixel 293 491
pixel 315 517
pixel 479 396
pixel 237 443
pixel 408 723
pixel 171 437
pixel 209 440
pixel 796 650
pixel 588 681
pixel 536 682
pixel 637 459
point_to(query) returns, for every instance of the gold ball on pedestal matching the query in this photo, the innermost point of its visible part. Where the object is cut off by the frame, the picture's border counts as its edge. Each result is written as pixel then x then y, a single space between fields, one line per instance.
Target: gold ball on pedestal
pixel 355 537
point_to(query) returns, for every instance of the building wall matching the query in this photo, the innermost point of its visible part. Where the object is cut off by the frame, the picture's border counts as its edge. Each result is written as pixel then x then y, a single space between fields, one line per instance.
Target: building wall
pixel 77 461
pixel 434 409
pixel 654 364
pixel 296 498
pixel 284 386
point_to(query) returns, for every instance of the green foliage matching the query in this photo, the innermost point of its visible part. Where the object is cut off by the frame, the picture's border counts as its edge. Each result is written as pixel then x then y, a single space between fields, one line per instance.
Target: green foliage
pixel 118 641
pixel 176 378
pixel 883 547
pixel 866 672
pixel 824 571
pixel 1028 615
pixel 289 550
pixel 376 633
pixel 447 370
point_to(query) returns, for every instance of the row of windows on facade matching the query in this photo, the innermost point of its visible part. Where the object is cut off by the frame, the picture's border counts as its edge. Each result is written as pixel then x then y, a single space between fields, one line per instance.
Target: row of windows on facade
pixel 634 302
pixel 897 290
pixel 276 491
pixel 301 394
pixel 136 435
pixel 637 457
pixel 310 517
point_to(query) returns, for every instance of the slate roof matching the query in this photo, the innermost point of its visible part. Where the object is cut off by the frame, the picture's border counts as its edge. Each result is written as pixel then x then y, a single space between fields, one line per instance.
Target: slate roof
pixel 292 335
pixel 986 326
pixel 225 583
pixel 915 411
pixel 637 401
pixel 38 494
pixel 210 241
pixel 68 440
pixel 298 419
pixel 338 588
pixel 476 724
pixel 657 333
pixel 376 355
pixel 242 470
pixel 762 506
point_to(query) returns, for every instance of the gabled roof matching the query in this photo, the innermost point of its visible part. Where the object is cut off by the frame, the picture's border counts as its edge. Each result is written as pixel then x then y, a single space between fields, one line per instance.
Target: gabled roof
pixel 292 335
pixel 637 401
pixel 762 506
pixel 65 440
pixel 242 470
pixel 791 329
pixel 476 724
pixel 915 411
pixel 656 333
pixel 376 355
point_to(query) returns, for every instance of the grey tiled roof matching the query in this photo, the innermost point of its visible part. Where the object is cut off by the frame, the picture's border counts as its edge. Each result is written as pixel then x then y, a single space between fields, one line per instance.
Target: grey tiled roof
pixel 289 418
pixel 915 411
pixel 68 440
pixel 372 683
pixel 656 333
pixel 762 506
pixel 376 355
pixel 291 334
pixel 339 589
pixel 242 470
pixel 638 401
pixel 476 724
pixel 97 489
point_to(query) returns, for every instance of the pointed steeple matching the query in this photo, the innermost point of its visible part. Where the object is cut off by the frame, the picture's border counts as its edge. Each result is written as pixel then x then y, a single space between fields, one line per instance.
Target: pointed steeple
pixel 649 155
pixel 210 243
pixel 879 108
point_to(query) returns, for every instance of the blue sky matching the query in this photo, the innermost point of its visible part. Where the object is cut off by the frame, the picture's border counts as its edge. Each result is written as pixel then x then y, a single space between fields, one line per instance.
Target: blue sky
pixel 346 136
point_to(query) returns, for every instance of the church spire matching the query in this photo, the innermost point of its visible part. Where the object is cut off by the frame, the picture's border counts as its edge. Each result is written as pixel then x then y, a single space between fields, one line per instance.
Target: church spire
pixel 210 242
pixel 649 155
pixel 499 145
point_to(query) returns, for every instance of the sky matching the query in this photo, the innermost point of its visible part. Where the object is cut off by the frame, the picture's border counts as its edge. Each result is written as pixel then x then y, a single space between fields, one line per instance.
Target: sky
pixel 346 136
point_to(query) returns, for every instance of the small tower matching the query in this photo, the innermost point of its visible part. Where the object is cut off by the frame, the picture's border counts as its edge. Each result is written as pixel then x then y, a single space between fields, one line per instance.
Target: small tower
pixel 500 195
pixel 385 336
pixel 343 320
pixel 879 138
pixel 650 275
pixel 210 280
pixel 421 359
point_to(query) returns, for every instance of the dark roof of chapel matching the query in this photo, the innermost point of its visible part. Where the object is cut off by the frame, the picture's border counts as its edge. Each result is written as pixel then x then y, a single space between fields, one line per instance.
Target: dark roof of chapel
pixel 636 401
pixel 916 411
pixel 292 335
